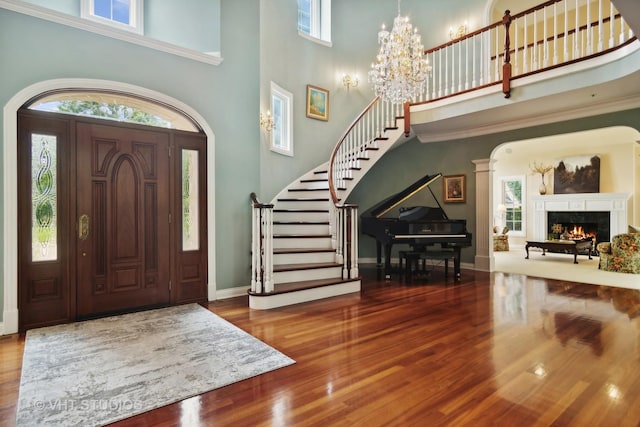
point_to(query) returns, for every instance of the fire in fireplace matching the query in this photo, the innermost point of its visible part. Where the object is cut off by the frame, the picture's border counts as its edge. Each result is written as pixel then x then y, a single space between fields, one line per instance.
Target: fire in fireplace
pixel 579 225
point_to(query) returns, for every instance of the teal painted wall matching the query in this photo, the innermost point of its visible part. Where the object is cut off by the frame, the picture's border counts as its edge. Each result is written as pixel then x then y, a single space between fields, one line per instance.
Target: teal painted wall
pixel 224 95
pixel 194 24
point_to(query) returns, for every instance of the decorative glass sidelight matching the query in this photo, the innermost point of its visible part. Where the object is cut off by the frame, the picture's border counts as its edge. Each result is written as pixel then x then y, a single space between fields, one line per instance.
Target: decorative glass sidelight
pixel 44 218
pixel 190 201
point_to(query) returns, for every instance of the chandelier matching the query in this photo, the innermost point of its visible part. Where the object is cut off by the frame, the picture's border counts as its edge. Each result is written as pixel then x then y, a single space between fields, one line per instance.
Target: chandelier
pixel 400 71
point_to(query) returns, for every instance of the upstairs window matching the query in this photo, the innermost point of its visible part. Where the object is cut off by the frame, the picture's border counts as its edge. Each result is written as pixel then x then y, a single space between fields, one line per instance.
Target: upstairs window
pixel 282 133
pixel 314 20
pixel 124 14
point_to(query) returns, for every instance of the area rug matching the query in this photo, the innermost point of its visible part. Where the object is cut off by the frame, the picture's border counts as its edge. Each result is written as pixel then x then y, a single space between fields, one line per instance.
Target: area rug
pixel 99 371
pixel 561 267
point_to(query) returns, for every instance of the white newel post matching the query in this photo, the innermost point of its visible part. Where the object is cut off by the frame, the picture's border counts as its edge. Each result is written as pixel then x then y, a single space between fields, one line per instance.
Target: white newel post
pixel 256 284
pixel 483 260
pixel 268 249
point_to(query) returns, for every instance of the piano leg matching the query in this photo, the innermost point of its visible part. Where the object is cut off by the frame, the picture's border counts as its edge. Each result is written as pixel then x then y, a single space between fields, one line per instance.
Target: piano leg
pixel 378 254
pixel 456 263
pixel 387 262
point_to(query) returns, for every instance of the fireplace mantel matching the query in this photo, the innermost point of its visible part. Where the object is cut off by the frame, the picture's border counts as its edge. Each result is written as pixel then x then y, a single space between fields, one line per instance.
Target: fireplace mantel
pixel 617 204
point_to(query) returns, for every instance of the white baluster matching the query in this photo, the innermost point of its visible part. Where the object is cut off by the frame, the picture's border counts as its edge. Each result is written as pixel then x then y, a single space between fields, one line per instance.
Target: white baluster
pixel 612 21
pixel 525 48
pixel 565 56
pixel 473 63
pixel 600 27
pixel 466 63
pixel 576 34
pixel 354 243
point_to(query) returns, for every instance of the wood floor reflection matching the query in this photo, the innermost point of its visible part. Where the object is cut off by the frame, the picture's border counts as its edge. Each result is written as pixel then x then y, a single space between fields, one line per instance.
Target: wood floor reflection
pixel 494 350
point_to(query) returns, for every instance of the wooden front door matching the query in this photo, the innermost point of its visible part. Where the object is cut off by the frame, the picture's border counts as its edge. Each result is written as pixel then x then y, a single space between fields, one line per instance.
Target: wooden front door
pixel 112 217
pixel 122 219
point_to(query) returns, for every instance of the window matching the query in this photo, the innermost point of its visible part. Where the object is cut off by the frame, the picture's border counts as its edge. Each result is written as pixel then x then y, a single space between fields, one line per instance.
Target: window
pixel 314 19
pixel 114 106
pixel 512 199
pixel 282 107
pixel 125 14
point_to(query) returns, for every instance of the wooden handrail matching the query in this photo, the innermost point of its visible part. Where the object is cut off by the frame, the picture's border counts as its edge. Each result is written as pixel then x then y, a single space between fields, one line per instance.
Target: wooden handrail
pixel 257 203
pixel 332 188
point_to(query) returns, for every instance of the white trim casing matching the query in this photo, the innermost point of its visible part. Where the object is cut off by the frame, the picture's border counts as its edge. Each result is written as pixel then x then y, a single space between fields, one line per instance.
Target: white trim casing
pixel 136 14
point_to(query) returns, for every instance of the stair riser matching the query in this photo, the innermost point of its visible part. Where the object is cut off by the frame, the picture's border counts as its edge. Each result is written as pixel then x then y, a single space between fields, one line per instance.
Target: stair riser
pixel 281 300
pixel 301 216
pixel 304 258
pixel 319 185
pixel 302 204
pixel 298 229
pixel 302 242
pixel 300 275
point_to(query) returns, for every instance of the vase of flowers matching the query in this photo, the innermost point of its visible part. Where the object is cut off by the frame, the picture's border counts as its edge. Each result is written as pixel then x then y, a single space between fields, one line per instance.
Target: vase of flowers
pixel 542 169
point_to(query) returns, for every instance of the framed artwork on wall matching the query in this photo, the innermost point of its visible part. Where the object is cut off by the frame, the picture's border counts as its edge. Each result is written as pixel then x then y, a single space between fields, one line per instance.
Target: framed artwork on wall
pixel 577 174
pixel 317 103
pixel 454 189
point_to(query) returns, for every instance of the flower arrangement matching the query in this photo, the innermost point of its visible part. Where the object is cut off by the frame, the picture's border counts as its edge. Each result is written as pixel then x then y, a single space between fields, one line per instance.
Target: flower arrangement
pixel 542 169
pixel 556 228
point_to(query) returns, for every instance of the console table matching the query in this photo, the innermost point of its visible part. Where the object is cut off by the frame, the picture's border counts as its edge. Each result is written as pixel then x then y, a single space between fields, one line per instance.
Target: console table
pixel 562 246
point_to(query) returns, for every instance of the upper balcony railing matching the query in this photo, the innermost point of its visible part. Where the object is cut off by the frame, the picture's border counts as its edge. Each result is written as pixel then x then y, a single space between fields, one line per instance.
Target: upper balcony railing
pixel 554 33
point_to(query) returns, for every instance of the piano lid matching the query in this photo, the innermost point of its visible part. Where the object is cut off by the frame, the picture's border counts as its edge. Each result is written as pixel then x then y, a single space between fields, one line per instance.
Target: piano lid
pixel 391 202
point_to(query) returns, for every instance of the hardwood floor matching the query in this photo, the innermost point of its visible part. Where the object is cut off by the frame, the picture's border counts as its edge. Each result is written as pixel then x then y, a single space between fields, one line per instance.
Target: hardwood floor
pixel 495 350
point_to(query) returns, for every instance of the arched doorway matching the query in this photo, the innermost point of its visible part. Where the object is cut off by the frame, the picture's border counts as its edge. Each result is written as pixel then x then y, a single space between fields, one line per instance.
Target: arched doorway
pixel 10 258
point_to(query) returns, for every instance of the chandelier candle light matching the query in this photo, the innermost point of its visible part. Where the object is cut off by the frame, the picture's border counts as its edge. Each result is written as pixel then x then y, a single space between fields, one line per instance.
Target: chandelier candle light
pixel 400 71
pixel 542 170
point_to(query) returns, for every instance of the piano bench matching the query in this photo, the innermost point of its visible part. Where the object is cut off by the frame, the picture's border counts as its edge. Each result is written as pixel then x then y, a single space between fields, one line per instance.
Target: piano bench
pixel 411 258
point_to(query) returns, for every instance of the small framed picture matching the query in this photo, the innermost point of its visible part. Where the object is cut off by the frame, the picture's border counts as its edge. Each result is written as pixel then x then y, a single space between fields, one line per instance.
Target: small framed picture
pixel 454 189
pixel 317 103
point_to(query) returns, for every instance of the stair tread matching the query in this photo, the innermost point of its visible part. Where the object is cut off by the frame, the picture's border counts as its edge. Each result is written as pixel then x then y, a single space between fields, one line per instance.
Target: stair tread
pixel 307 189
pixel 302 210
pixel 301 250
pixel 315 180
pixel 302 285
pixel 304 199
pixel 300 222
pixel 306 266
pixel 300 236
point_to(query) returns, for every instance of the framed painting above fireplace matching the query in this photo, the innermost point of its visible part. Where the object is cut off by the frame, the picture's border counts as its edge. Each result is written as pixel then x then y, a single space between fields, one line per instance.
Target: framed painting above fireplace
pixel 577 174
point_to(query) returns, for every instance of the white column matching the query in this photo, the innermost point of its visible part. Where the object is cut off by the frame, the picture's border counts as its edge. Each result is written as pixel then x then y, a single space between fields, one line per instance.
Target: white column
pixel 484 258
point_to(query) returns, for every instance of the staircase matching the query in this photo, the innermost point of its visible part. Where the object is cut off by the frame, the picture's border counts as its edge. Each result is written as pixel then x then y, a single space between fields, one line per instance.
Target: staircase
pixel 305 241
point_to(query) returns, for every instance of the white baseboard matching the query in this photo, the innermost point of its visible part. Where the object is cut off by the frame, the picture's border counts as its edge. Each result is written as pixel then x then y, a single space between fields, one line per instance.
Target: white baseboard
pixel 238 291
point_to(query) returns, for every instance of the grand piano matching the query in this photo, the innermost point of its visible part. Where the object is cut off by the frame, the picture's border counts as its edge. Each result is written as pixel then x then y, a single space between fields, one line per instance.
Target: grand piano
pixel 421 227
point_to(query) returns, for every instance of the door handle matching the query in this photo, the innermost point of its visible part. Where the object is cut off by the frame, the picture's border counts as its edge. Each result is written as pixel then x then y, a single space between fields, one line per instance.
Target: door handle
pixel 83 227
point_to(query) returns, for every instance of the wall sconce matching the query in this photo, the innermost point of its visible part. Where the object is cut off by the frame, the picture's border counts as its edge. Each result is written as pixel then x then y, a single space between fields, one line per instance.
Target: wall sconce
pixel 349 81
pixel 266 121
pixel 461 31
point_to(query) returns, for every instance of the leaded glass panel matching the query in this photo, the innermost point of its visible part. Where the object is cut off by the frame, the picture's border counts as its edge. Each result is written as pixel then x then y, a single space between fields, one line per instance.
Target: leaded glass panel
pixel 44 217
pixel 190 201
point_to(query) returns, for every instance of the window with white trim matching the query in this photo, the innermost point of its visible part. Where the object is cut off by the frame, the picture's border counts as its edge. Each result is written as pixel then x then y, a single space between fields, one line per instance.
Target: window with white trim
pixel 282 108
pixel 314 19
pixel 512 197
pixel 123 14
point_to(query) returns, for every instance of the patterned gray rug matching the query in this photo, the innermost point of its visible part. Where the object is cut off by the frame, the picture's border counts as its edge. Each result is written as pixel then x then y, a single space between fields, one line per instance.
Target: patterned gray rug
pixel 100 371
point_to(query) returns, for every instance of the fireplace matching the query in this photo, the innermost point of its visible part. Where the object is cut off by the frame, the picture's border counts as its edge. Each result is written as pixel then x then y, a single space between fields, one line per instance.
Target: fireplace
pixel 578 225
pixel 581 209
